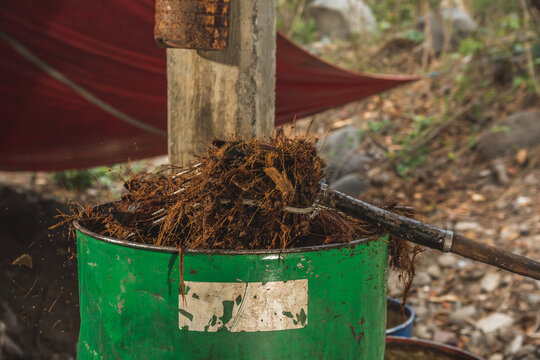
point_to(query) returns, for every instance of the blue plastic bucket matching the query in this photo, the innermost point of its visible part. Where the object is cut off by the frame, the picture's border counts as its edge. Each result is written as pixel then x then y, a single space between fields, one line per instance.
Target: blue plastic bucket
pixel 399 320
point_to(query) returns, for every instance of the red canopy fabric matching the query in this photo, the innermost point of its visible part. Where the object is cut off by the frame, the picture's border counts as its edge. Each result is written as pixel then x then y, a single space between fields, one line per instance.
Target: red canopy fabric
pixel 82 83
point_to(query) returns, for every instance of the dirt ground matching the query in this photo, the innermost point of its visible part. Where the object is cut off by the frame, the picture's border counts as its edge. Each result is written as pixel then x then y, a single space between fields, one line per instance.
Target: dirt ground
pixel 38 299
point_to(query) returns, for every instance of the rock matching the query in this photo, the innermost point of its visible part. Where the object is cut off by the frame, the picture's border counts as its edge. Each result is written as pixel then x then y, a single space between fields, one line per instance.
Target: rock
pixel 445 337
pixel 342 158
pixel 523 201
pixel 8 317
pixel 515 344
pixel 356 163
pixel 517 131
pixel 533 299
pixel 342 18
pixel 462 25
pixel 394 284
pixel 492 342
pixel 8 346
pixel 460 315
pixel 530 179
pixel 434 271
pixel 338 144
pixel 421 279
pixel 447 260
pixel 477 337
pixel 527 352
pixel 351 184
pixel 506 334
pixel 490 281
pixel 422 331
pixel 464 226
pixel 494 322
pixel 380 179
pixel 499 167
pixel 420 312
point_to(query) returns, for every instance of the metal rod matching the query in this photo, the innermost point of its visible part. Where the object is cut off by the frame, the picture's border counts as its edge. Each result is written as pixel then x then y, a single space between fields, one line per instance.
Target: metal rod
pixel 430 236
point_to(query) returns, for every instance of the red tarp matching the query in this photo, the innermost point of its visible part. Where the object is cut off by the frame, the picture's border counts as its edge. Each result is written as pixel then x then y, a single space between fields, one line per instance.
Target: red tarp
pixel 82 83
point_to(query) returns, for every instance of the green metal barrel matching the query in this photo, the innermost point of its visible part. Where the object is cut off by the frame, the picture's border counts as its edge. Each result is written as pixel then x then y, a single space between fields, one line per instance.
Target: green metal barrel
pixel 325 302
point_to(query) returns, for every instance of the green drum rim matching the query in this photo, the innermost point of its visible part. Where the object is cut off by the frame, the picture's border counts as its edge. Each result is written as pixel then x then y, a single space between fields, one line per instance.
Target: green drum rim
pixel 172 249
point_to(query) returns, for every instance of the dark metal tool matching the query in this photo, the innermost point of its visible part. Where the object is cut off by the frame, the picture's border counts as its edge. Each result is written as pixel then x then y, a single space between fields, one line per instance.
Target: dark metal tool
pixel 428 235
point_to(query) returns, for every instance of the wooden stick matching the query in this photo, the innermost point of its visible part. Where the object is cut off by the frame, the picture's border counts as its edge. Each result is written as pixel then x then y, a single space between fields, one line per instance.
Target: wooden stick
pixel 494 256
pixel 430 236
pixel 215 94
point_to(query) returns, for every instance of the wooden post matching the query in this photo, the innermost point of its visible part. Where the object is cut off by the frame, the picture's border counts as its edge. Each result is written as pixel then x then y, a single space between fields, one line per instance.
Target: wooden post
pixel 222 93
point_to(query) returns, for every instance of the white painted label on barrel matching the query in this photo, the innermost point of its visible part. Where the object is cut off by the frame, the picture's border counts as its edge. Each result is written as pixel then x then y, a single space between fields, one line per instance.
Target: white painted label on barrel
pixel 250 307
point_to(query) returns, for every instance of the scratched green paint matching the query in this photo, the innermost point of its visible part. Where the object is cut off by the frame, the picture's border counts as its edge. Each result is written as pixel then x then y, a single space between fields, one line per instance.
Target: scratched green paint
pixel 129 303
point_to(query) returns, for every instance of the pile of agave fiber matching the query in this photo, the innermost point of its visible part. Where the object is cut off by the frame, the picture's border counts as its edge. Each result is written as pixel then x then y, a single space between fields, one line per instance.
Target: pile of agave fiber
pixel 238 195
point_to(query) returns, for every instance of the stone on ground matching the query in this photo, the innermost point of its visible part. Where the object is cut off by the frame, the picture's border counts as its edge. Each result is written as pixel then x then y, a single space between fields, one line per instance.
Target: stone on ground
pixel 494 322
pixel 462 25
pixel 339 150
pixel 447 260
pixel 461 315
pixel 518 131
pixel 490 281
pixel 352 185
pixel 342 18
pixel 421 279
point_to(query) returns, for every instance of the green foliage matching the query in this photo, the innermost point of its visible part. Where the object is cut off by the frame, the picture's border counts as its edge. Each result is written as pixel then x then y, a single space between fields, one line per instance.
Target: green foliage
pixel 500 128
pixel 463 83
pixel 422 122
pixel 384 25
pixel 470 46
pixel 510 22
pixel 410 156
pixel 74 179
pixel 414 35
pixel 80 179
pixel 379 126
pixel 396 12
pixel 494 8
pixel 523 81
pixel 490 95
pixel 305 31
pixel 410 162
pixel 473 138
pixel 301 29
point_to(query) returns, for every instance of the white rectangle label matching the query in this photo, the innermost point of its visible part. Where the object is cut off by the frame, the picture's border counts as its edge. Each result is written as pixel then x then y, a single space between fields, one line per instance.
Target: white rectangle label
pixel 250 307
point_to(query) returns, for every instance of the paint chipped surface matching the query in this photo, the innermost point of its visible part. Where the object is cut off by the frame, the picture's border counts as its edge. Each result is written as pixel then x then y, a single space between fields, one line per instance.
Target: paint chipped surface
pixel 119 306
pixel 249 307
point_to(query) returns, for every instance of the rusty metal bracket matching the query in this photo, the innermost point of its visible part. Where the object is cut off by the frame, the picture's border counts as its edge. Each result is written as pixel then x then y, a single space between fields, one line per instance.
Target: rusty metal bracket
pixel 192 24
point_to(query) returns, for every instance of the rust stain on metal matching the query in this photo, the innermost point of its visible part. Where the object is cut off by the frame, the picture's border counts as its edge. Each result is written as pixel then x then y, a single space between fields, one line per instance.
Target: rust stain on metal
pixel 192 24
